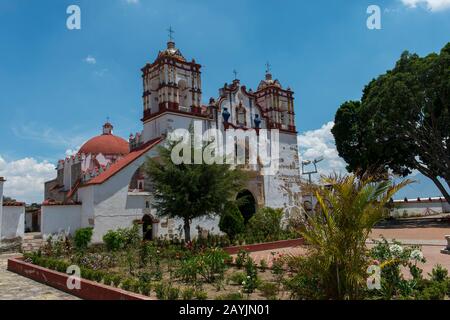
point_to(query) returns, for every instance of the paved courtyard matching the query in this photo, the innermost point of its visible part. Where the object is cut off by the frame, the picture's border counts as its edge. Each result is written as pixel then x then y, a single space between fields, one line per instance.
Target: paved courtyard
pixel 15 287
pixel 429 234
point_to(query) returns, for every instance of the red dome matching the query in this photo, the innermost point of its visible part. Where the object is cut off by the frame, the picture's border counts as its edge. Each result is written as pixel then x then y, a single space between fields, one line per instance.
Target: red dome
pixel 106 144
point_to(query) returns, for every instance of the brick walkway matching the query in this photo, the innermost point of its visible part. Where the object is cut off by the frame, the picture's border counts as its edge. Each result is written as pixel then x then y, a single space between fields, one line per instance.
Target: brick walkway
pixel 15 287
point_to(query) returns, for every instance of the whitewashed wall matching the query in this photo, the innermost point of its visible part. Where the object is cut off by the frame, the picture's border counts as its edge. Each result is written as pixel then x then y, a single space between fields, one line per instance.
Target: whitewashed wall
pixel 58 219
pixel 13 222
pixel 109 205
pixel 415 208
pixel 283 189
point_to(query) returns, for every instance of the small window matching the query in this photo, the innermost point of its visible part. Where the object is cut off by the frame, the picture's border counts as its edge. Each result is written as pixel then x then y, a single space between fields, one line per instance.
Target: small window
pixel 147 204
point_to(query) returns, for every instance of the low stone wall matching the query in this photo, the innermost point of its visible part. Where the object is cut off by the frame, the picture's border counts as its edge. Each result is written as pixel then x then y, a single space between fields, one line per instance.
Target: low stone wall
pixel 266 246
pixel 89 290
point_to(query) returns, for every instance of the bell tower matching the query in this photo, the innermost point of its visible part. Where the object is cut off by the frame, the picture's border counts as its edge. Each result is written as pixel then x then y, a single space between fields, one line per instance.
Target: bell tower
pixel 277 102
pixel 171 83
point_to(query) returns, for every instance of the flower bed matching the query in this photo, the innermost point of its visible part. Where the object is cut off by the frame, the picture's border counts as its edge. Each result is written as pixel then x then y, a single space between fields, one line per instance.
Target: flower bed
pixel 89 290
pixel 158 270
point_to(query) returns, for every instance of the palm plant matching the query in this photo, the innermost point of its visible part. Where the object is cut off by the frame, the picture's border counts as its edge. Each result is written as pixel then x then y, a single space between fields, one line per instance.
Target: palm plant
pixel 348 209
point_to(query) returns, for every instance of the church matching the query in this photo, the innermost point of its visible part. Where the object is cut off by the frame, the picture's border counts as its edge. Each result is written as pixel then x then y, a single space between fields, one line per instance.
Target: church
pixel 103 185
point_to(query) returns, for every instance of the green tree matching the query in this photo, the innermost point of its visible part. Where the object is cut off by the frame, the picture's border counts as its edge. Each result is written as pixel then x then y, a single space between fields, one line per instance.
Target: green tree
pixel 338 231
pixel 232 222
pixel 402 122
pixel 189 191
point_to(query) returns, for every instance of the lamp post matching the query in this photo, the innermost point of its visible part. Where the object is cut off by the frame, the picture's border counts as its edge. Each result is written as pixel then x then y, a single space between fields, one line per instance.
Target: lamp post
pixel 305 164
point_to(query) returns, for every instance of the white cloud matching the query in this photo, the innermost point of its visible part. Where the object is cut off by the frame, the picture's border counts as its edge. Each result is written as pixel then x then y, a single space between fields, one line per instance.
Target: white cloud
pixel 432 5
pixel 25 178
pixel 320 143
pixel 90 60
pixel 132 1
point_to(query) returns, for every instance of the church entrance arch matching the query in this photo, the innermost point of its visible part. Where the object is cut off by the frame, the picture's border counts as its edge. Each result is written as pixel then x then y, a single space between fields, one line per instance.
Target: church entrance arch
pixel 147 227
pixel 248 205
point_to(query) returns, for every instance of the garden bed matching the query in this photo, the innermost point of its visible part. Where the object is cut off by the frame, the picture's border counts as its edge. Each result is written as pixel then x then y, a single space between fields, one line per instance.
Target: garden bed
pixel 89 290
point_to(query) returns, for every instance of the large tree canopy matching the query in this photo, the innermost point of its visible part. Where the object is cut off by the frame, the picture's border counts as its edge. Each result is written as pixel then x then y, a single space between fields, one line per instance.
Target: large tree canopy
pixel 402 122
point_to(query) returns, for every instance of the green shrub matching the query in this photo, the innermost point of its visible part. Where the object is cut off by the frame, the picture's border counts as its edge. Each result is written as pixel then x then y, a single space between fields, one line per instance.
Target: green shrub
pixel 231 296
pixel 82 238
pixel 265 225
pixel 188 270
pixel 160 290
pixel 434 291
pixel 237 278
pixel 201 295
pixel 241 258
pixel 263 265
pixel 113 240
pixel 87 273
pixel 251 281
pixel 116 280
pixel 212 264
pixel 188 294
pixel 107 279
pixel 122 238
pixel 439 274
pixel 269 290
pixel 61 266
pixel 97 275
pixel 232 222
pixel 128 284
pixel 173 293
pixel 145 288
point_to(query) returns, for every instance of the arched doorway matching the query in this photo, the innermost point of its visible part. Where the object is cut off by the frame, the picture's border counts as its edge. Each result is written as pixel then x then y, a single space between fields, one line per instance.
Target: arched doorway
pixel 248 205
pixel 147 228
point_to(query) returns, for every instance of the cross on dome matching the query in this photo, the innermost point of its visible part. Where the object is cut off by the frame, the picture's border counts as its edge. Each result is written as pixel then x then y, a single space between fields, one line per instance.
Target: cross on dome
pixel 171 32
pixel 235 74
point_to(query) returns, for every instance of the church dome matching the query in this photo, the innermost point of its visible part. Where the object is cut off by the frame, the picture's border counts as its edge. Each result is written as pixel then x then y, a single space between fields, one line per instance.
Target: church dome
pixel 172 52
pixel 106 144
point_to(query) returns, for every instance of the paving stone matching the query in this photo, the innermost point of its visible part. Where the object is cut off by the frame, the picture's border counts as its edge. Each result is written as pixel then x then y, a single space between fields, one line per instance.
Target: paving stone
pixel 16 287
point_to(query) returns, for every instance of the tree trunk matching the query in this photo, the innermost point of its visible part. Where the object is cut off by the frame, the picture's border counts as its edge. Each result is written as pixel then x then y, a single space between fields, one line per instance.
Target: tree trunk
pixel 436 181
pixel 441 188
pixel 187 231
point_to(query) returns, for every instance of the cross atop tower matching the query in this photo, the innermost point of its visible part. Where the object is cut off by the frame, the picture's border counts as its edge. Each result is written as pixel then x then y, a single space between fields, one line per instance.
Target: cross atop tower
pixel 268 67
pixel 171 32
pixel 235 74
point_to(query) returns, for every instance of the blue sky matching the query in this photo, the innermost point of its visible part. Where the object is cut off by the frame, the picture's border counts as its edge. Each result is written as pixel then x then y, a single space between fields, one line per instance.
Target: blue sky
pixel 53 97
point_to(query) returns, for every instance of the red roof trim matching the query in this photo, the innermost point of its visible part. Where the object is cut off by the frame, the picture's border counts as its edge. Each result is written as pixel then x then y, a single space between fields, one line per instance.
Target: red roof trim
pixel 74 189
pixel 122 163
pixel 14 204
pixel 51 202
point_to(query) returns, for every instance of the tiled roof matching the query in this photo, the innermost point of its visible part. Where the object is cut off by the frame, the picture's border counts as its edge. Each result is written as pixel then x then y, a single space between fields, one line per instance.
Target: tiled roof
pixel 123 163
pixel 51 202
pixel 13 204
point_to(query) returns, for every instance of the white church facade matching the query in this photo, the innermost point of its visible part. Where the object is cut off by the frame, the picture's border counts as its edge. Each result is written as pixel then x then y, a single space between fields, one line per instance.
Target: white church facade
pixel 103 185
